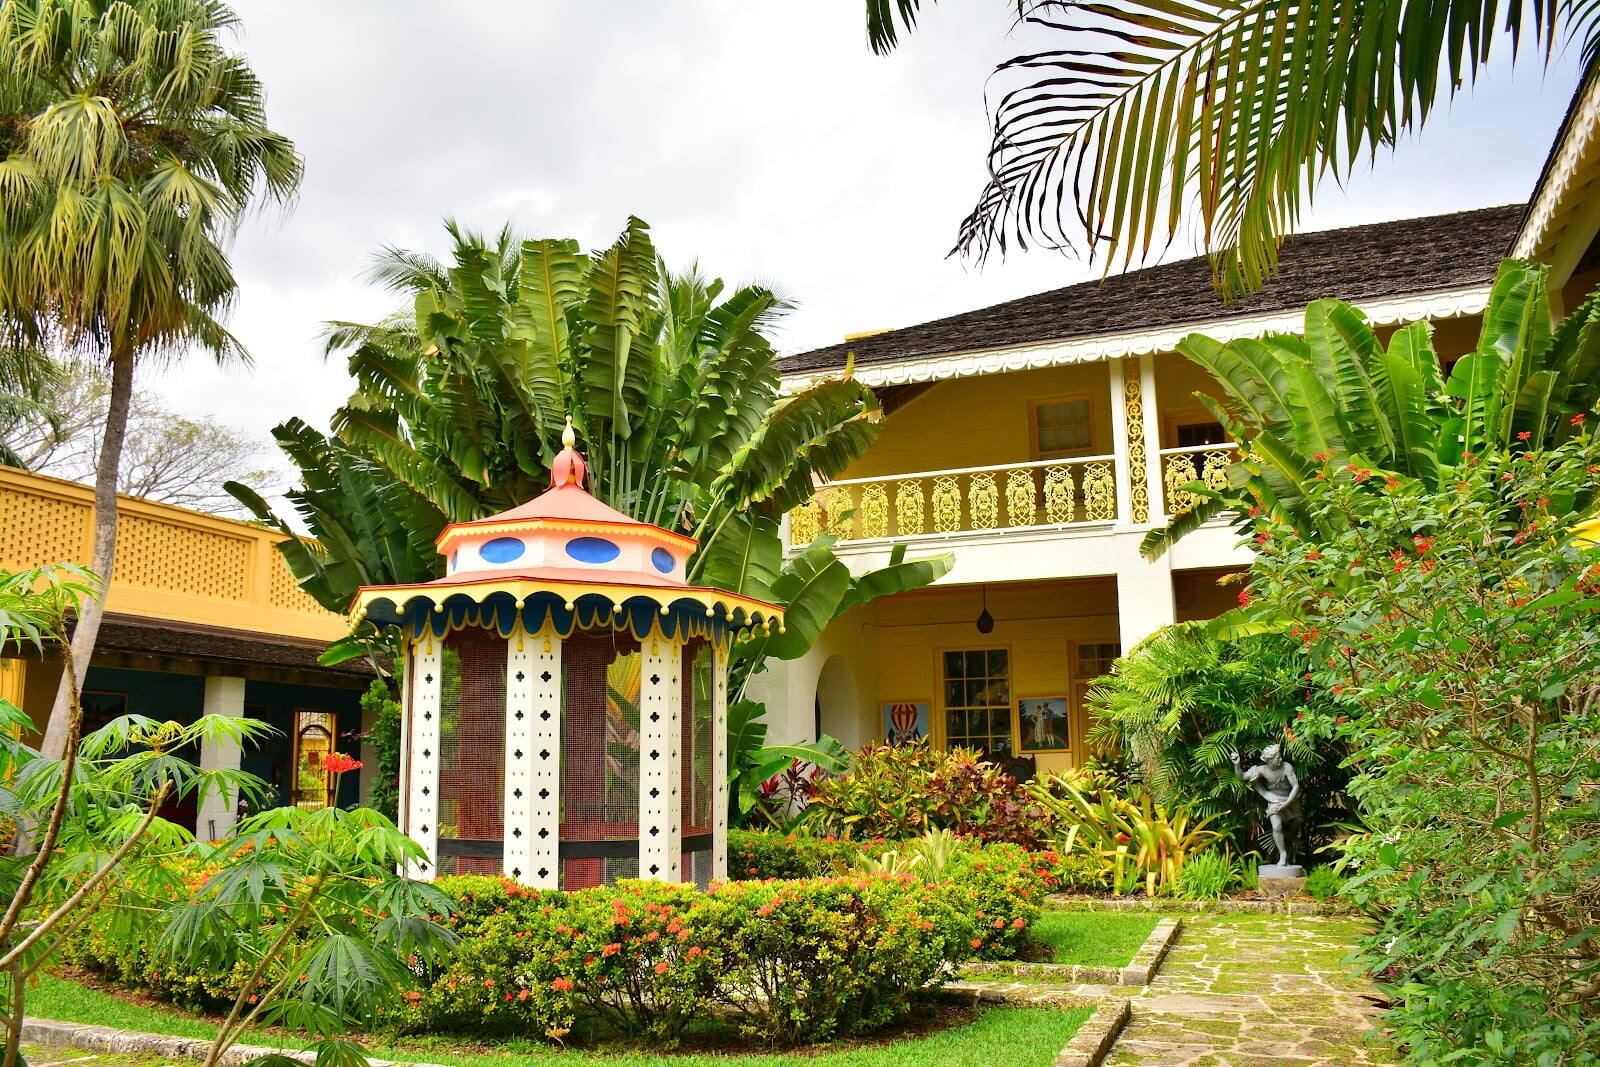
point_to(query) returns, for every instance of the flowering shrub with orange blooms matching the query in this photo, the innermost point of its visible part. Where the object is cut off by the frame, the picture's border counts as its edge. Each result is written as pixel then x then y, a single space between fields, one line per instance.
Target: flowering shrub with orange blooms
pixel 1458 624
pixel 783 961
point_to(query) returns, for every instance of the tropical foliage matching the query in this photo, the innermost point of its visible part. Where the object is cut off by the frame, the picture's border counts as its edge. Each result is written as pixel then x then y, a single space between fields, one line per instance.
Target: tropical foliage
pixel 1182 702
pixel 1457 624
pixel 132 142
pixel 1339 393
pixel 1134 121
pixel 672 386
pixel 894 792
pixel 1139 842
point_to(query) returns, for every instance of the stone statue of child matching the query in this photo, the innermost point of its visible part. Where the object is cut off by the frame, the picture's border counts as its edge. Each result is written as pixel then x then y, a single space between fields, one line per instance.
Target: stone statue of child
pixel 1273 779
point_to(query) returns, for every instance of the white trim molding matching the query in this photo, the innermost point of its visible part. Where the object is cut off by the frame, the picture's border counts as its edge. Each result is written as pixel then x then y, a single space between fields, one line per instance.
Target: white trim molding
pixel 1566 167
pixel 1445 304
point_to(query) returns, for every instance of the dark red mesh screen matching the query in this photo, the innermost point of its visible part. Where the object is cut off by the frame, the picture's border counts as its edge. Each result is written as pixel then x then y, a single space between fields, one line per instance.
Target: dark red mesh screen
pixel 599 754
pixel 472 730
pixel 698 663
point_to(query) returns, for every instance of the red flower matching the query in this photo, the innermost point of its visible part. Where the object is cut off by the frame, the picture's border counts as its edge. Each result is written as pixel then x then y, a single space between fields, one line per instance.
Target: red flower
pixel 661 968
pixel 338 763
pixel 1577 420
pixel 1244 598
pixel 561 985
pixel 1524 435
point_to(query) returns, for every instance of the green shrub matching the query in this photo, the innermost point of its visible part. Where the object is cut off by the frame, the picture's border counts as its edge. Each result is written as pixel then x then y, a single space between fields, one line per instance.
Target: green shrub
pixel 758 855
pixel 1076 872
pixel 791 961
pixel 1324 883
pixel 1207 876
pixel 1457 622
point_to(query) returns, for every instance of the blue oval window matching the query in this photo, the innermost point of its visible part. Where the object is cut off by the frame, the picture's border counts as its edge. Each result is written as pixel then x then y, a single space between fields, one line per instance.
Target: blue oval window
pixel 592 550
pixel 663 560
pixel 502 550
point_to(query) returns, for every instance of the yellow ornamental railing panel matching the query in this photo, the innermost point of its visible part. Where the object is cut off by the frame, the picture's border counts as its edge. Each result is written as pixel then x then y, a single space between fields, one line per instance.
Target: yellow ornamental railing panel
pixel 1207 464
pixel 1048 493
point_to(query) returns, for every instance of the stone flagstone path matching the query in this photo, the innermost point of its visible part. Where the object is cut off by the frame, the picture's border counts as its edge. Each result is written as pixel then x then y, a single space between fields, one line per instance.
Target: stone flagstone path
pixel 1253 991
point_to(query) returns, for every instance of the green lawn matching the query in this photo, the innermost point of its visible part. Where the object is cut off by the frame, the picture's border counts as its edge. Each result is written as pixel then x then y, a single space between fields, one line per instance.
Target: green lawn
pixel 1015 1036
pixel 1093 938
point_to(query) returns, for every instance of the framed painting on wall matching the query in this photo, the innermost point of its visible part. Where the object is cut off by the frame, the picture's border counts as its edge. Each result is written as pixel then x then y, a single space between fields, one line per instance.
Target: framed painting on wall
pixel 905 721
pixel 1044 724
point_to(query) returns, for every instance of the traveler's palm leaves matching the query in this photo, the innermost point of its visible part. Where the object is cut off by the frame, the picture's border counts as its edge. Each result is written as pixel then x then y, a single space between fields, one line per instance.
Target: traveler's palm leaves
pixel 1339 394
pixel 670 380
pixel 1139 112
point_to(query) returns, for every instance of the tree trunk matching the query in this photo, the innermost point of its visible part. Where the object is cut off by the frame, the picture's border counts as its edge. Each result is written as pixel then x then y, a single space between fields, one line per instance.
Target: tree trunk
pixel 93 609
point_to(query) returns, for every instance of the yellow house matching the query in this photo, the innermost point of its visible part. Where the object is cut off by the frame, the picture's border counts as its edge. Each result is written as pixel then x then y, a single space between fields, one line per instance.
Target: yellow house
pixel 1040 439
pixel 202 616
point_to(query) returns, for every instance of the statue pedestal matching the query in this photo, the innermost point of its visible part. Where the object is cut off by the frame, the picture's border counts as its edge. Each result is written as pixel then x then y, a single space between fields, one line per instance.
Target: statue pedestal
pixel 1281 879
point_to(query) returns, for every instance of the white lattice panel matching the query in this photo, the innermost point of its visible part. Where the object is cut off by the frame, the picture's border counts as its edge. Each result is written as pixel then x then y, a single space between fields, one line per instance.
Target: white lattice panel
pixel 719 764
pixel 422 763
pixel 660 752
pixel 533 759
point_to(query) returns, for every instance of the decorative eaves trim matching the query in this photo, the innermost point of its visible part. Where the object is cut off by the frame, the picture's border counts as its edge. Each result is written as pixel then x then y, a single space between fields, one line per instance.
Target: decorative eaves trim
pixel 1549 201
pixel 1446 304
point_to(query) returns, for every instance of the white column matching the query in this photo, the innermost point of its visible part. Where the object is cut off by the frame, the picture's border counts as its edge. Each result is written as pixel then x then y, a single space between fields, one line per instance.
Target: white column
pixel 660 754
pixel 425 682
pixel 719 764
pixel 1119 440
pixel 1144 597
pixel 533 758
pixel 223 696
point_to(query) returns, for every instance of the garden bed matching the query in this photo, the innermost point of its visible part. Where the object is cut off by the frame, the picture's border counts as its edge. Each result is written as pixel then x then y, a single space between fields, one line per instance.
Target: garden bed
pixel 959 1036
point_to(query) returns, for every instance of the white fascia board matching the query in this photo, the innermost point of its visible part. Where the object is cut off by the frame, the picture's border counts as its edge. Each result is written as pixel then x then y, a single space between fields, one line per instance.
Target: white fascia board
pixel 1446 304
pixel 1550 199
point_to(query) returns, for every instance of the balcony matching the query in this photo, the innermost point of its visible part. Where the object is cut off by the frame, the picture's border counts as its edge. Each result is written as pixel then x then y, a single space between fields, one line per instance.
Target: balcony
pixel 1046 494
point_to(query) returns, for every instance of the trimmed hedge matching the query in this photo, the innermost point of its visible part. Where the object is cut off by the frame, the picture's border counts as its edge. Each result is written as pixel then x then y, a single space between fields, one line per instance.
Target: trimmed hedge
pixel 783 960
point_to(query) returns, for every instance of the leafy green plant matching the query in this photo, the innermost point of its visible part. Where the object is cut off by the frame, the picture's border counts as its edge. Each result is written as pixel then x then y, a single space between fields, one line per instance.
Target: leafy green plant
pixel 1457 621
pixel 902 791
pixel 1323 883
pixel 1207 876
pixel 766 854
pixel 670 379
pixel 1339 394
pixel 1141 843
pixel 1182 701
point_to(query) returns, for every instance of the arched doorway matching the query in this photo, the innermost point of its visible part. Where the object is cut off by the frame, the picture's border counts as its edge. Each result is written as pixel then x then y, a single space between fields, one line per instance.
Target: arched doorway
pixel 839 704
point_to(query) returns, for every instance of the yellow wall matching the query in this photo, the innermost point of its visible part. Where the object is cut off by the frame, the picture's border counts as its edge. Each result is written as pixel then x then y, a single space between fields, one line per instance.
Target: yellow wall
pixel 982 421
pixel 1039 623
pixel 171 563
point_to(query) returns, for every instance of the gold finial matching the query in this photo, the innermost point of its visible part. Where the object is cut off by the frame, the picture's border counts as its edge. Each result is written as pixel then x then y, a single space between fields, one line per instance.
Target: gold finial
pixel 568 438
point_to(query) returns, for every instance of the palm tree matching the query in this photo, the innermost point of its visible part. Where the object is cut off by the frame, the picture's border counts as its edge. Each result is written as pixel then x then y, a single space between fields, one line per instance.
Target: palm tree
pixel 1144 111
pixel 672 385
pixel 131 144
pixel 1337 394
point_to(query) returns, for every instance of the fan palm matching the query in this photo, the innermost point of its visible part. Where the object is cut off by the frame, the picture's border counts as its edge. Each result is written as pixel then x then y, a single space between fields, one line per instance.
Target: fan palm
pixel 1337 393
pixel 131 143
pixel 672 385
pixel 1141 111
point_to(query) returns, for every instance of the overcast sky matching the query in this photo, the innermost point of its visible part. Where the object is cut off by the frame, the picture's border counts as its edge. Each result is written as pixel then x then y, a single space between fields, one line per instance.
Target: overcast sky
pixel 760 137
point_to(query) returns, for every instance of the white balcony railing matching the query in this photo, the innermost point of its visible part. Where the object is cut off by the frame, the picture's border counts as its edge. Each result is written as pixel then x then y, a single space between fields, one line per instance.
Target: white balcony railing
pixel 1197 463
pixel 1047 493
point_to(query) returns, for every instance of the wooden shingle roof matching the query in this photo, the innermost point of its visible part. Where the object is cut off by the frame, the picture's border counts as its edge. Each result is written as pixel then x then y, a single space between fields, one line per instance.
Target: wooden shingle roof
pixel 1386 259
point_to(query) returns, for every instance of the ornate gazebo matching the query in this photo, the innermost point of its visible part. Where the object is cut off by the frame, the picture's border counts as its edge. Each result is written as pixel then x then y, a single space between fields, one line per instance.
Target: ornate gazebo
pixel 565 696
